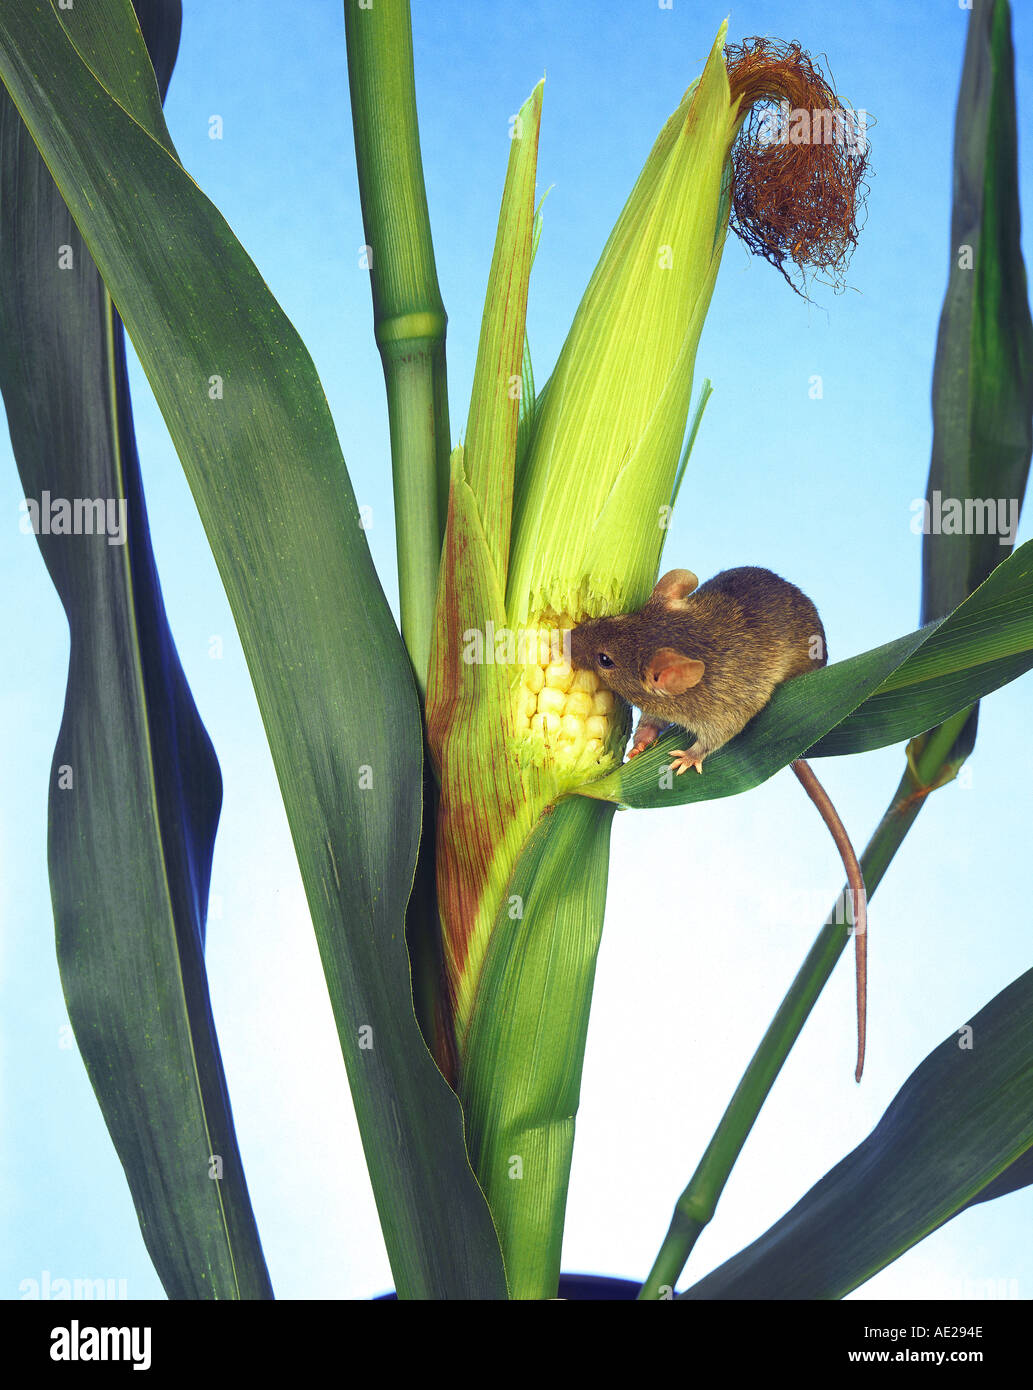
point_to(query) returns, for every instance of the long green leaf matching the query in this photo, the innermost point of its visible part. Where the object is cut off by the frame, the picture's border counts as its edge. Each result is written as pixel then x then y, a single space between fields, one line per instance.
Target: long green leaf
pixel 526 1043
pixel 983 377
pixel 249 419
pixel 958 1122
pixel 135 788
pixel 877 698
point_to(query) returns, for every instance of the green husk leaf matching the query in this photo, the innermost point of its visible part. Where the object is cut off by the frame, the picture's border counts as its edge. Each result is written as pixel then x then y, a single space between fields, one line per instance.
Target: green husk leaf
pixel 490 447
pixel 593 494
pixel 526 1041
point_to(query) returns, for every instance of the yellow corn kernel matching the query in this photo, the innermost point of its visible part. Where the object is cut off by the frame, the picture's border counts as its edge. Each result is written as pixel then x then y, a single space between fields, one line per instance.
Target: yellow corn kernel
pixel 603 702
pixel 593 746
pixel 546 723
pixel 596 726
pixel 558 675
pixel 551 701
pixel 572 726
pixel 587 681
pixel 534 678
pixel 579 702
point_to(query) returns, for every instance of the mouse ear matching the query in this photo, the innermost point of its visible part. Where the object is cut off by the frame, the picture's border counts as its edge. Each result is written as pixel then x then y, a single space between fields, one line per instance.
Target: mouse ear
pixel 672 673
pixel 675 586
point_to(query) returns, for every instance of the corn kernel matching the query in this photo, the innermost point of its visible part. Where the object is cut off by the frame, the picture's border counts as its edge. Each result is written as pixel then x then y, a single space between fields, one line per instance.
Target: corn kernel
pixel 529 703
pixel 593 746
pixel 586 681
pixel 603 702
pixel 558 675
pixel 570 737
pixel 544 653
pixel 595 726
pixel 578 702
pixel 551 701
pixel 534 678
pixel 547 722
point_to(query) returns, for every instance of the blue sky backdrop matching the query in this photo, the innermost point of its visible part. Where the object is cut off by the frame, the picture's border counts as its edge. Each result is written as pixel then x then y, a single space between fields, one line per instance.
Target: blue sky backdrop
pixel 711 908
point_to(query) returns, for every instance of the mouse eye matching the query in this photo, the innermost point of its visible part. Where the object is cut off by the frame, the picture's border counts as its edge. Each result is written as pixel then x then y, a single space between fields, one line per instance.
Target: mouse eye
pixel 605 661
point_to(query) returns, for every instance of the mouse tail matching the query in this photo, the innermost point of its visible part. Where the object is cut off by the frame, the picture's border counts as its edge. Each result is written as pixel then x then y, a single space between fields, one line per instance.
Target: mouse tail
pixel 855 879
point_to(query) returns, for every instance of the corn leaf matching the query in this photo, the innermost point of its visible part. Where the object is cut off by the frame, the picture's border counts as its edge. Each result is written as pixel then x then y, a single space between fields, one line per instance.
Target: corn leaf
pixel 249 419
pixel 983 377
pixel 960 1121
pixel 135 790
pixel 877 698
pixel 526 1042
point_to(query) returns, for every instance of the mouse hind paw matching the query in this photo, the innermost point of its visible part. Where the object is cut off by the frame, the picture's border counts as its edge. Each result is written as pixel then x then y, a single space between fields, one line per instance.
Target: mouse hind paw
pixel 684 758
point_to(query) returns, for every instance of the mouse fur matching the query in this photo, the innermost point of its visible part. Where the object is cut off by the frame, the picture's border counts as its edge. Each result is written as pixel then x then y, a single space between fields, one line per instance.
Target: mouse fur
pixel 706 658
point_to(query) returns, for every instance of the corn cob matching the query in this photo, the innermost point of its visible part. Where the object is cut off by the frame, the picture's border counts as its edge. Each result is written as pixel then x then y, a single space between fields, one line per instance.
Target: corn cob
pixel 564 718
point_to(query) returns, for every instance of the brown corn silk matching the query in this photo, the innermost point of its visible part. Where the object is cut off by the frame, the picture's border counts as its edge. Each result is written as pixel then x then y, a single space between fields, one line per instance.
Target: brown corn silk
pixel 794 201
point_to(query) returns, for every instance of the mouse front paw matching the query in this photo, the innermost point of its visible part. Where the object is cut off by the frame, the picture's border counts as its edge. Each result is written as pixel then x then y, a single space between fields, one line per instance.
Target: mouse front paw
pixel 645 736
pixel 684 758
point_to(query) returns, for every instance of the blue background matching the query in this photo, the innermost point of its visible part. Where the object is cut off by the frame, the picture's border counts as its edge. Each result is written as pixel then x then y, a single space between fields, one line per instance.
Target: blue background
pixel 711 908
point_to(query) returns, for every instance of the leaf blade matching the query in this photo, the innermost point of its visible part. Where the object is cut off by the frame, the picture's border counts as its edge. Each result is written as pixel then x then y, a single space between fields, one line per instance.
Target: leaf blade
pixel 963 1117
pixel 133 819
pixel 267 473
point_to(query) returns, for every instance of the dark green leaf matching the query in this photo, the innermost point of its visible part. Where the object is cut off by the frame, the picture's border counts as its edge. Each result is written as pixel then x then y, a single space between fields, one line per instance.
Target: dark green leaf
pixel 135 788
pixel 247 414
pixel 958 1122
pixel 983 379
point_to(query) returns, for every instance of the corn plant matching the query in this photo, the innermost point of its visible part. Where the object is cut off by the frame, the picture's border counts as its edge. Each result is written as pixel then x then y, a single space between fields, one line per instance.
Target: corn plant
pixel 450 781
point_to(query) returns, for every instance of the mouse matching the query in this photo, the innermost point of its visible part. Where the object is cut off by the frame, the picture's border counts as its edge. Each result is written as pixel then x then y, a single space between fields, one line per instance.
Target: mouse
pixel 707 658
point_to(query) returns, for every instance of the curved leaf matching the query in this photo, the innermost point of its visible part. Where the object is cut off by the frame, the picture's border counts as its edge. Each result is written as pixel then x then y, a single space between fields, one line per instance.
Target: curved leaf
pixel 958 1122
pixel 880 697
pixel 247 414
pixel 135 789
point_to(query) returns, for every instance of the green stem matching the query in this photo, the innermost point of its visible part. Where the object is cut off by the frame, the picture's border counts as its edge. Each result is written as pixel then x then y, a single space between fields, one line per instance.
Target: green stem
pixel 697 1204
pixel 412 370
pixel 408 314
